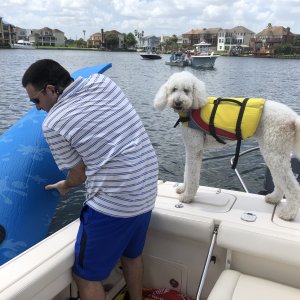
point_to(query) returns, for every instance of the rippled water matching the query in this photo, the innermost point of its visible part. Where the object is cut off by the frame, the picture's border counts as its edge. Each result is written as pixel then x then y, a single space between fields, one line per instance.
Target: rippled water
pixel 276 79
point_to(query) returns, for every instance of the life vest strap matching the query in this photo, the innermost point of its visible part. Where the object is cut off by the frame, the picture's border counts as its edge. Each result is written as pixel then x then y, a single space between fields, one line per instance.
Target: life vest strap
pixel 212 129
pixel 238 130
pixel 181 119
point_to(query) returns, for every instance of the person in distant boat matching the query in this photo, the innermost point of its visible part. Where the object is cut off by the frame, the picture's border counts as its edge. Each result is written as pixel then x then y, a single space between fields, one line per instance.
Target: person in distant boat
pixel 95 133
pixel 173 56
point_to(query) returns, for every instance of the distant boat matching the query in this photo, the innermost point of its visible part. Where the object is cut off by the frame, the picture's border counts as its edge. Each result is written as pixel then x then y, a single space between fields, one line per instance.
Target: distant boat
pixel 22 44
pixel 150 56
pixel 180 63
pixel 202 58
pixel 178 60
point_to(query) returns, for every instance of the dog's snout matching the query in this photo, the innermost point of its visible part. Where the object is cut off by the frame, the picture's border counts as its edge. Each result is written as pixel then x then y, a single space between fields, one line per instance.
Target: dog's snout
pixel 177 102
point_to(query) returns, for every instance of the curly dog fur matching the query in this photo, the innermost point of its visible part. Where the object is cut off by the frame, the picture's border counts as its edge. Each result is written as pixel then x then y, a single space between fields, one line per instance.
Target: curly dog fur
pixel 278 134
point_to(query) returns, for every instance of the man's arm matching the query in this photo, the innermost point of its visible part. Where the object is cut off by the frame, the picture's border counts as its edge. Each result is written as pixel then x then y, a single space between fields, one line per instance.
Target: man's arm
pixel 75 177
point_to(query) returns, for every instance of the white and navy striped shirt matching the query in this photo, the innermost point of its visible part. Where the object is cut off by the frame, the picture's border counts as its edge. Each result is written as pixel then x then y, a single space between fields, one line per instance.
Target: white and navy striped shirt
pixel 94 122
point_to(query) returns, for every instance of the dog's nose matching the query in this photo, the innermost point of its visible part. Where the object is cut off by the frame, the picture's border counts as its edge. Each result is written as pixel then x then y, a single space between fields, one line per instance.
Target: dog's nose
pixel 177 102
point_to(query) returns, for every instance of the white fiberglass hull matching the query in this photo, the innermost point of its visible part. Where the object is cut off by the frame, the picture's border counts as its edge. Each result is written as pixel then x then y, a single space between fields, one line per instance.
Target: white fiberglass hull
pixel 203 61
pixel 250 239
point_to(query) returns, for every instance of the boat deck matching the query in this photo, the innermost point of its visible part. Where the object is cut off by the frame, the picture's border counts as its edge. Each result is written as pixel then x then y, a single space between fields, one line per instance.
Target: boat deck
pixel 250 239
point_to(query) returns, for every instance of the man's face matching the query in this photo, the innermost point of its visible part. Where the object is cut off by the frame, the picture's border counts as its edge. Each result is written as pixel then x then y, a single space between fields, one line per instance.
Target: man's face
pixel 43 99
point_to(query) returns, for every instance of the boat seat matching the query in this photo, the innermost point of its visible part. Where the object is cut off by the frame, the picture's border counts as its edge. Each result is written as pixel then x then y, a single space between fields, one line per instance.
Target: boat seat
pixel 265 243
pixel 233 285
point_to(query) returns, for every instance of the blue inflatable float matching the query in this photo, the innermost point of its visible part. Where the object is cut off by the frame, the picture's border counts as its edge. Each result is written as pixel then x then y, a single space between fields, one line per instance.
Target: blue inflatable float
pixel 26 166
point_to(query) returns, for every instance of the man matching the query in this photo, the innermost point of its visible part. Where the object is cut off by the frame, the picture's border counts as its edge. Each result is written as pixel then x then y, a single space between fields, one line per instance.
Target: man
pixel 95 133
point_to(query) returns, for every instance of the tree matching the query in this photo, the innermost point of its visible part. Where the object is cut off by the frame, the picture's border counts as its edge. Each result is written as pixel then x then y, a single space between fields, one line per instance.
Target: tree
pixel 283 50
pixel 130 40
pixel 170 44
pixel 174 39
pixel 297 40
pixel 80 43
pixel 111 40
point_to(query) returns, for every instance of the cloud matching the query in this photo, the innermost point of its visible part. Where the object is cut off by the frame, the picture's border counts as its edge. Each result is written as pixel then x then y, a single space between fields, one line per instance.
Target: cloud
pixel 152 16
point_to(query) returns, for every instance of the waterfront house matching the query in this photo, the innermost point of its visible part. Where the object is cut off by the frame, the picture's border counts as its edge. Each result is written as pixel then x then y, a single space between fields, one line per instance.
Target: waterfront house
pixel 47 37
pixel 22 33
pixel 98 39
pixel 235 41
pixel 7 33
pixel 266 40
pixel 151 43
pixel 208 35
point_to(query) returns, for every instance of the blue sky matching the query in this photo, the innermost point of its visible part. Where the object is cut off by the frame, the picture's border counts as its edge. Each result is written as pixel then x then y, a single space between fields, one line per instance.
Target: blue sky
pixel 154 17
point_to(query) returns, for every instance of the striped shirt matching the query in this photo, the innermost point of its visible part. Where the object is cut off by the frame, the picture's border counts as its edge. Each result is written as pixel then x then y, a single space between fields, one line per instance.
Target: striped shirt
pixel 94 122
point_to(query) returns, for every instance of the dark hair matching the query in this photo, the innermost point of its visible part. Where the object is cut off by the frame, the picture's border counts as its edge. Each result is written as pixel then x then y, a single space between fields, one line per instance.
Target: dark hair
pixel 47 71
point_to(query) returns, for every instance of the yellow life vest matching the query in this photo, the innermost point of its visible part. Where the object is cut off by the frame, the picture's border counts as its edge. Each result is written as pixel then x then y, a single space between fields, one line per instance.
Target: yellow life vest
pixel 229 118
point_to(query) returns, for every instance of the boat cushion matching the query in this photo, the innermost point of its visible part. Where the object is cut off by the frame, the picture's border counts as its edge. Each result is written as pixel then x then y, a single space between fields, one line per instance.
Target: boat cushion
pixel 233 285
pixel 261 242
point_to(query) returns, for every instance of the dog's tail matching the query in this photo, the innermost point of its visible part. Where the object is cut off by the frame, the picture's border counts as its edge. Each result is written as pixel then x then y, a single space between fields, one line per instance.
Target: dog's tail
pixel 297 138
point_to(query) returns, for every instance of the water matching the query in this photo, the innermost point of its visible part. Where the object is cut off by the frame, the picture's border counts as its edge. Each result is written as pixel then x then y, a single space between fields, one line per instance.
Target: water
pixel 276 79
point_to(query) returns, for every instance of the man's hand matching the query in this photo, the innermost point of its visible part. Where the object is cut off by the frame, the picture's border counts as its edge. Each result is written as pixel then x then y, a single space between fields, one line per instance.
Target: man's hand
pixel 76 177
pixel 61 186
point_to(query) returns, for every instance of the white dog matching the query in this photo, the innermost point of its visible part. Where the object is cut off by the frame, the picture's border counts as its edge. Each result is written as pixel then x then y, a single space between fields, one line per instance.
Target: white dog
pixel 278 134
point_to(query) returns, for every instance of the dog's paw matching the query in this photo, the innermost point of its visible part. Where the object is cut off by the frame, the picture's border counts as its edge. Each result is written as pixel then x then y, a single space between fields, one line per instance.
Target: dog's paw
pixel 287 213
pixel 185 198
pixel 272 199
pixel 180 189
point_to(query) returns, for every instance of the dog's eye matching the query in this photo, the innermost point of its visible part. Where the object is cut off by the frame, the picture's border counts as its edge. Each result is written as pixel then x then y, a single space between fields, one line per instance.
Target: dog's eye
pixel 174 89
pixel 186 91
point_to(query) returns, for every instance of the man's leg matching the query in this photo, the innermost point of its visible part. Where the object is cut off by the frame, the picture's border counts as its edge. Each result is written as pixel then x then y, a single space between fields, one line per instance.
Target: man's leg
pixel 89 290
pixel 133 273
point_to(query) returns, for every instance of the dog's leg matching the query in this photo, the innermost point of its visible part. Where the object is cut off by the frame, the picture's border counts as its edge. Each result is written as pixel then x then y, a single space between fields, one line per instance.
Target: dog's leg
pixel 276 196
pixel 191 176
pixel 292 195
pixel 285 184
pixel 193 141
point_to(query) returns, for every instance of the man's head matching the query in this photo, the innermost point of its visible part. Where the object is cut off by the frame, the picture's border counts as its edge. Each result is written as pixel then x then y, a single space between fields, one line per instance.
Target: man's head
pixel 44 81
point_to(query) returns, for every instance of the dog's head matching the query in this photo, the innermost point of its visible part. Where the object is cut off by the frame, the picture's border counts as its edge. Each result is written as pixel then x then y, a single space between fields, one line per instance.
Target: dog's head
pixel 182 92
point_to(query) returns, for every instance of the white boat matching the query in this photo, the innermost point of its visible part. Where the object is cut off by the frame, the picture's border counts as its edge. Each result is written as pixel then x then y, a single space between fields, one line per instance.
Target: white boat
pixel 225 245
pixel 22 44
pixel 202 58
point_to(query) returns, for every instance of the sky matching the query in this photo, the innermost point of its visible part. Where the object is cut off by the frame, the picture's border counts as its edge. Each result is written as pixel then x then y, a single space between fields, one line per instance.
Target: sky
pixel 81 18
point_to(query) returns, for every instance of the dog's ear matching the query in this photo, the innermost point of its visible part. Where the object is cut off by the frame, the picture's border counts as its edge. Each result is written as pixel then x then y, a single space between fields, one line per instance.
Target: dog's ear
pixel 199 94
pixel 160 100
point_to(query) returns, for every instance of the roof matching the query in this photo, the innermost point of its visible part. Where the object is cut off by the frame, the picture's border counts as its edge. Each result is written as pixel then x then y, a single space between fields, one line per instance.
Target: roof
pixel 242 29
pixel 276 30
pixel 204 31
pixel 45 29
pixel 57 30
pixel 238 29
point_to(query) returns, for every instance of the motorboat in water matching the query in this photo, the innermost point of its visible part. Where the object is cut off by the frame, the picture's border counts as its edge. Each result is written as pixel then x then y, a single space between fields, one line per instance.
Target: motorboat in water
pixel 178 60
pixel 224 243
pixel 22 44
pixel 150 55
pixel 182 63
pixel 202 57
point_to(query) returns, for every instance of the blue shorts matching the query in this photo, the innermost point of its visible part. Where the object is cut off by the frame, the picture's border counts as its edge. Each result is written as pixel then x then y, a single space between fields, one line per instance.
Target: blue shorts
pixel 102 240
